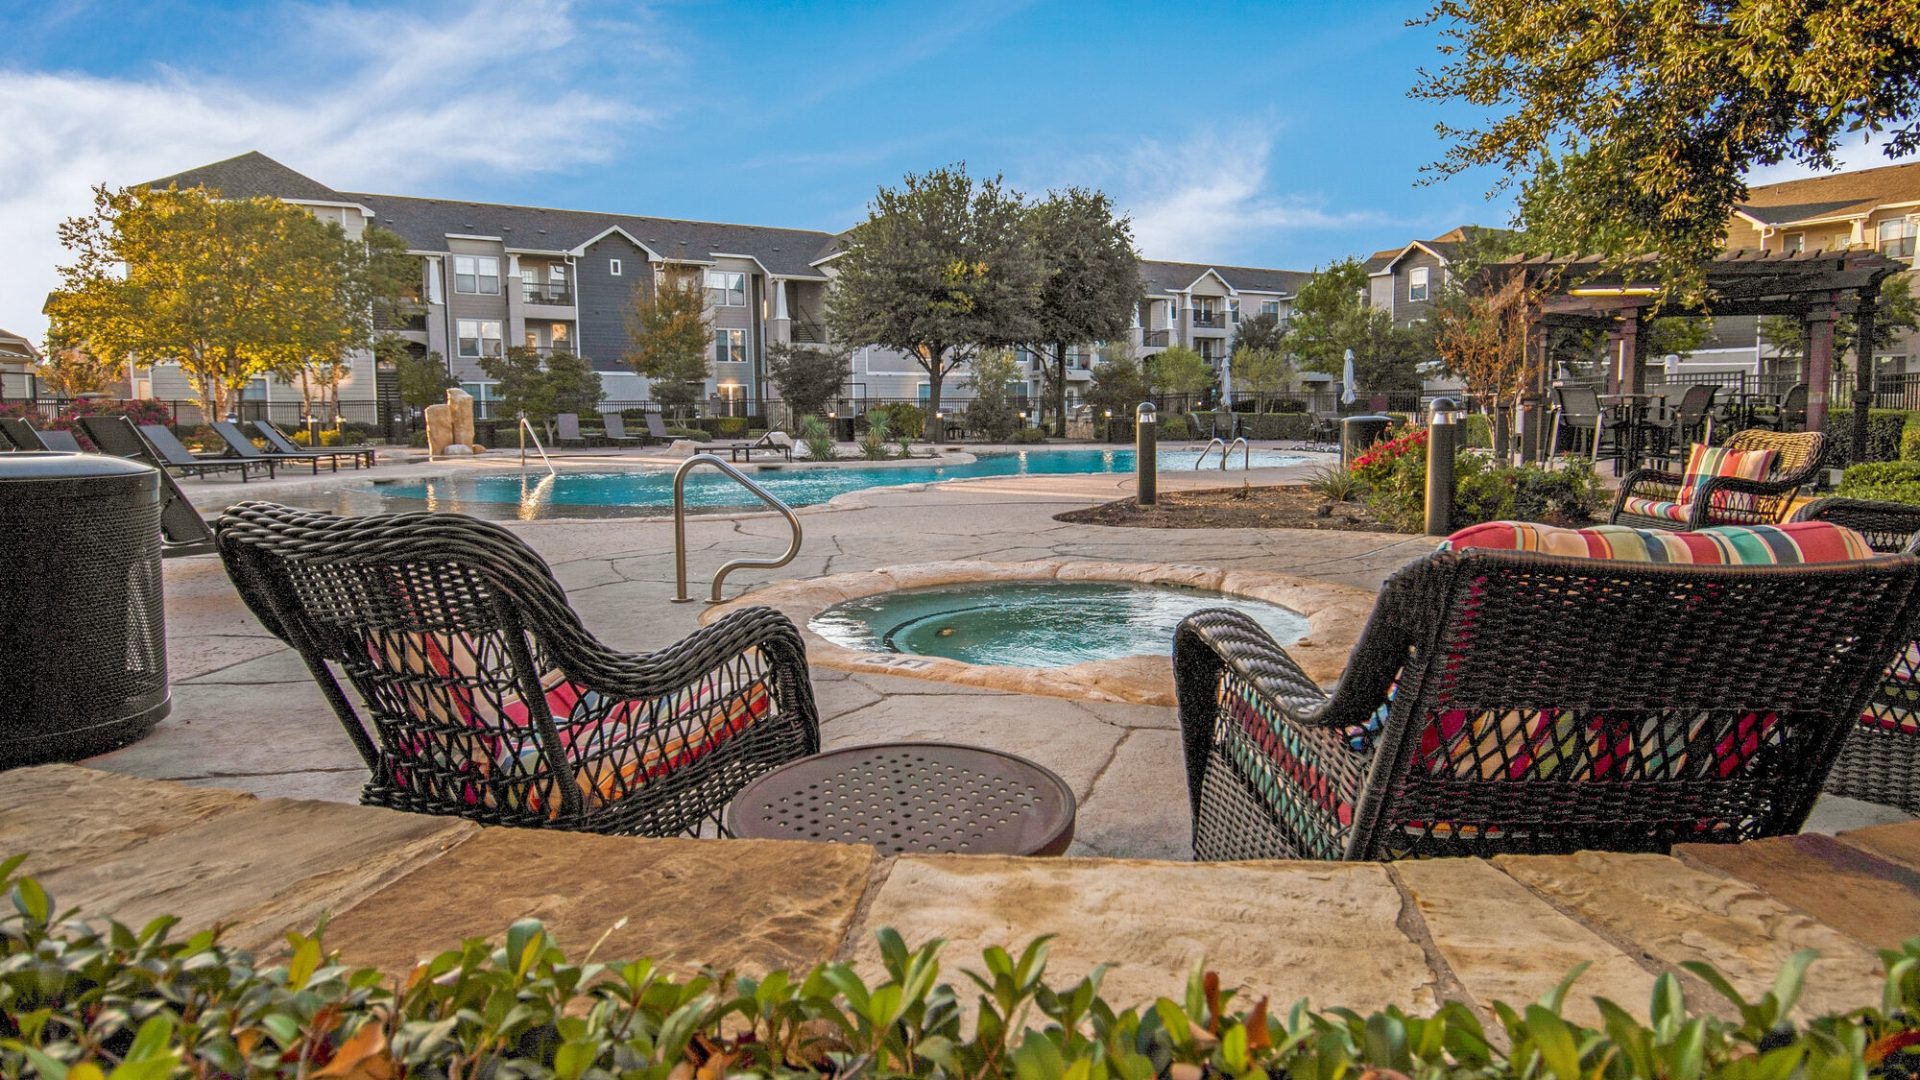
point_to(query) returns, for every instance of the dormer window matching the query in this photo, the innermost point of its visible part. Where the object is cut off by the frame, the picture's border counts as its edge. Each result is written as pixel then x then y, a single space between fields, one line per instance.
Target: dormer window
pixel 1417 284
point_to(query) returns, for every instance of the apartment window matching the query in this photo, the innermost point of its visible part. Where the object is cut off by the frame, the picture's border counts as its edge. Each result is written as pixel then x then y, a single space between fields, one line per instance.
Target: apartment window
pixel 726 289
pixel 476 275
pixel 1270 307
pixel 479 337
pixel 613 267
pixel 482 394
pixel 1896 238
pixel 1417 283
pixel 730 346
pixel 1793 243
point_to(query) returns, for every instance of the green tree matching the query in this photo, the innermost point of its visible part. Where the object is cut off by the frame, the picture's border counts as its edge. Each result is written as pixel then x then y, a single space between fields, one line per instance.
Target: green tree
pixel 942 267
pixel 994 410
pixel 1091 286
pixel 1264 331
pixel 1331 316
pixel 1119 381
pixel 1894 317
pixel 230 289
pixel 668 339
pixel 70 371
pixel 1656 111
pixel 808 377
pixel 564 383
pixel 1180 370
pixel 422 380
pixel 1262 371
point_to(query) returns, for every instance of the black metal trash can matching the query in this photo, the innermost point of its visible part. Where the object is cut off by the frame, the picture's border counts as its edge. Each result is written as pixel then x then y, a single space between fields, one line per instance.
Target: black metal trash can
pixel 83 651
pixel 1359 432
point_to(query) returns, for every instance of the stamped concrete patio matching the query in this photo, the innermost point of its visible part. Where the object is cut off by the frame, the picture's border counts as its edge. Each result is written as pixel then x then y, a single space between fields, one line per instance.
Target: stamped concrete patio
pixel 247 716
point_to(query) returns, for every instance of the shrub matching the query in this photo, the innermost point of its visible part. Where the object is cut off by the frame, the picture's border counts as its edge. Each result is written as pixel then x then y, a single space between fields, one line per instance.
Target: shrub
pixel 817 438
pixel 1477 432
pixel 1175 427
pixel 80 1000
pixel 1910 442
pixel 905 421
pixel 1888 481
pixel 1028 435
pixel 346 436
pixel 1335 484
pixel 1395 475
pixel 1886 431
pixel 873 442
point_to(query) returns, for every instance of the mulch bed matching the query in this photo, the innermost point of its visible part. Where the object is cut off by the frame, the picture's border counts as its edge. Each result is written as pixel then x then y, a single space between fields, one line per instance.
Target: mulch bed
pixel 1289 506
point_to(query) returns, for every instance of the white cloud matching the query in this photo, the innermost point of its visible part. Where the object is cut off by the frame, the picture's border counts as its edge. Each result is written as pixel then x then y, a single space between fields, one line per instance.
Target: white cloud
pixel 1209 198
pixel 402 103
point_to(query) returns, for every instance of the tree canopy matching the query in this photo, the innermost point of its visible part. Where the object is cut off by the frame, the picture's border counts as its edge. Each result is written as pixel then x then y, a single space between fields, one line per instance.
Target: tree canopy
pixel 543 388
pixel 1263 331
pixel 1330 316
pixel 1090 288
pixel 668 339
pixel 943 266
pixel 992 412
pixel 231 289
pixel 1180 370
pixel 1633 123
pixel 808 377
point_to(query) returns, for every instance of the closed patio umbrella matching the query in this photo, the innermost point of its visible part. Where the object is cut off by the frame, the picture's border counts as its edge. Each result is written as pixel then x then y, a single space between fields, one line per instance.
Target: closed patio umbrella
pixel 1349 392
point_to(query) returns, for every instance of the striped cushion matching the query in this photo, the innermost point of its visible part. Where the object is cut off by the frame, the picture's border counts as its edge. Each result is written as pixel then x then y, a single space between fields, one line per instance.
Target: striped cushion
pixel 1706 462
pixel 1723 545
pixel 1657 508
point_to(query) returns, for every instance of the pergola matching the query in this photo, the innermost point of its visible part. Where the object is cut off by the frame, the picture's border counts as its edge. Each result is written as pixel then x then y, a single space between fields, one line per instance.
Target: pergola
pixel 1816 287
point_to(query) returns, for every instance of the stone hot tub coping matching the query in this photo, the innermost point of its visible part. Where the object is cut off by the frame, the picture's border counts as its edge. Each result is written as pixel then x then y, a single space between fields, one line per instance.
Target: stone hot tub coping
pixel 1335 616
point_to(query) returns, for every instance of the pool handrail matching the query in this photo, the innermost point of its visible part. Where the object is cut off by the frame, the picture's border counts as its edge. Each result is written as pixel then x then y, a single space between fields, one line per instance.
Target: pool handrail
pixel 1226 453
pixel 526 430
pixel 680 528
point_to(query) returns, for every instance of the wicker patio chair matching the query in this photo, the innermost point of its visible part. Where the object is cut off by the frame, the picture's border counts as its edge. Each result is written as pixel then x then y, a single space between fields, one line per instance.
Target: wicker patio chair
pixel 486 698
pixel 1880 762
pixel 1515 702
pixel 1650 498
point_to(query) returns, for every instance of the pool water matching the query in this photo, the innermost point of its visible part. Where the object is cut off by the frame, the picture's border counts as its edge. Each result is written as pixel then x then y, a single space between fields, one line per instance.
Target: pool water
pixel 1035 624
pixel 535 495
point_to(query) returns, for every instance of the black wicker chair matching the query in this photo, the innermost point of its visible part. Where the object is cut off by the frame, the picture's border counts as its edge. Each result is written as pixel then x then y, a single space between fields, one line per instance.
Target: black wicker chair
pixel 1881 761
pixel 1515 702
pixel 1646 494
pixel 485 696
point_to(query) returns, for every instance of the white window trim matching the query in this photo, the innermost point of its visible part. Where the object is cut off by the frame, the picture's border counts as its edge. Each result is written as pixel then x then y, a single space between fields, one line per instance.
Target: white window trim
pixel 479 337
pixel 707 283
pixel 477 276
pixel 728 331
pixel 1419 284
pixel 613 267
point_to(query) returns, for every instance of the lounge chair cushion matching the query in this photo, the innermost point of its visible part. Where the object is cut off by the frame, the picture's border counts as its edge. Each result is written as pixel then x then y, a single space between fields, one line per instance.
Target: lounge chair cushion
pixel 1797 542
pixel 1640 506
pixel 1708 462
pixel 686 725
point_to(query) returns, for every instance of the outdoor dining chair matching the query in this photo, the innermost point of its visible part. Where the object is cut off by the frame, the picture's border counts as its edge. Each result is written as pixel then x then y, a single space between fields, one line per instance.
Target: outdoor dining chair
pixel 1791 414
pixel 1752 480
pixel 1518 702
pixel 1880 762
pixel 1692 419
pixel 482 695
pixel 1577 414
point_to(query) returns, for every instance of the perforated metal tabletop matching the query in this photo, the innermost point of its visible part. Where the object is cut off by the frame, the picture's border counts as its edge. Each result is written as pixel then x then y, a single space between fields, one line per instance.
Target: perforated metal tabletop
pixel 910 798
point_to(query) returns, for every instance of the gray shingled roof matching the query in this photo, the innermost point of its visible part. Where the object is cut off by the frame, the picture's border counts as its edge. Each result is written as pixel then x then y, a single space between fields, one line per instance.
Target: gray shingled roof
pixel 252 174
pixel 1166 277
pixel 1781 215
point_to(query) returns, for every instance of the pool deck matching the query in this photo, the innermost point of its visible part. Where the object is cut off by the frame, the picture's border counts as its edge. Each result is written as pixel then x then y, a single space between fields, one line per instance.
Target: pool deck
pixel 247 716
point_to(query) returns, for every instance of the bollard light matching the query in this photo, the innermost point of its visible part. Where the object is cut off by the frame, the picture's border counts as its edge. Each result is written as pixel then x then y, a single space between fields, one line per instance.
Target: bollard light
pixel 1444 417
pixel 1146 454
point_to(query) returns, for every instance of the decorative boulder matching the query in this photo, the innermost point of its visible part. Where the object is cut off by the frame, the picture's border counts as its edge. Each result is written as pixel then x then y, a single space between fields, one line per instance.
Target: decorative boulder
pixel 439 429
pixel 460 405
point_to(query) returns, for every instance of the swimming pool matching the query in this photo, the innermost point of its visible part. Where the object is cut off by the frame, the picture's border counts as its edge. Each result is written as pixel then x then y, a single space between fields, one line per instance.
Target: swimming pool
pixel 643 492
pixel 1035 624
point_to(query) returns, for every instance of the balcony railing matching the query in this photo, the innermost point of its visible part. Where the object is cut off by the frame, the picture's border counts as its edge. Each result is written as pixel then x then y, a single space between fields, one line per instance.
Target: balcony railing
pixel 547 292
pixel 1209 320
pixel 806 333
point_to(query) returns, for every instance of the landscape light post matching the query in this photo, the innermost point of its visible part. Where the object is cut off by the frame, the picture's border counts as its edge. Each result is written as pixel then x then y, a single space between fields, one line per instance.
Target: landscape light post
pixel 1146 454
pixel 1442 431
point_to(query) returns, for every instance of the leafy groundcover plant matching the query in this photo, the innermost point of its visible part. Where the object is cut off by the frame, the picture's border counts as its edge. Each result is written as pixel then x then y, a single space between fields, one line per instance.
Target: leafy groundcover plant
pixel 87 1001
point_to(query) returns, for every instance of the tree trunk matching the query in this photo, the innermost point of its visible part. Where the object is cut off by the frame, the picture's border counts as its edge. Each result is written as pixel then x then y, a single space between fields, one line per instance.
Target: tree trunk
pixel 934 378
pixel 1060 386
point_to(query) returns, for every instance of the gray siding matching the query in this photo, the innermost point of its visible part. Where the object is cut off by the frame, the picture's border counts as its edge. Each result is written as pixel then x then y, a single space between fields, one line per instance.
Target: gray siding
pixel 605 299
pixel 1408 311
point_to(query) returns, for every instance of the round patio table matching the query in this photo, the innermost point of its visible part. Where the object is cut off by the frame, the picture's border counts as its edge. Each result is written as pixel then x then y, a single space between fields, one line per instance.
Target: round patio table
pixel 911 798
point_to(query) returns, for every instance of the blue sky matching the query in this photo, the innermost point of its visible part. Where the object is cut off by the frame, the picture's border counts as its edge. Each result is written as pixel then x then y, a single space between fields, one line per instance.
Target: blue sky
pixel 1275 134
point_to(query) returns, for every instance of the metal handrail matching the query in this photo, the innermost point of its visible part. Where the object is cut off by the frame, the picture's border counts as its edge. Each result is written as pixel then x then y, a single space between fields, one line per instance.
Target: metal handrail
pixel 1246 454
pixel 526 429
pixel 1211 443
pixel 680 528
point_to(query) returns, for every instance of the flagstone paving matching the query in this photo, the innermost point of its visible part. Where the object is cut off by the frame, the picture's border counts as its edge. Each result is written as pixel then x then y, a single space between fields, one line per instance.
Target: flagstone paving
pixel 396 888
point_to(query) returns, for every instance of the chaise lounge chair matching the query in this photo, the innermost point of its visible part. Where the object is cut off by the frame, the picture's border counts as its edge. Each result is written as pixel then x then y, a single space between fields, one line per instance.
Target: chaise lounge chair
pixel 283 444
pixel 616 427
pixel 1516 702
pixel 566 428
pixel 1880 762
pixel 483 696
pixel 242 447
pixel 657 428
pixel 156 446
pixel 773 442
pixel 25 436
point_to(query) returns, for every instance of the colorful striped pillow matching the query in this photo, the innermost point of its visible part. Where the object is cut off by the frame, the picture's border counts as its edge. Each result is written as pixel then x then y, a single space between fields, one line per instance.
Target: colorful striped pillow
pixel 1707 462
pixel 1722 545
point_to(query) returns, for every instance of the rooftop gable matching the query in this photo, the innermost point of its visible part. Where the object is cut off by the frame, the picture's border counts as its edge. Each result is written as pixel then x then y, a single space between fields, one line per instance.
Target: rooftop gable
pixel 251 175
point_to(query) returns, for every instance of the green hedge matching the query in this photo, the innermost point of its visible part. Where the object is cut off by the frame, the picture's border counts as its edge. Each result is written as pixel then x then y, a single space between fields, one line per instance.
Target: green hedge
pixel 1886 433
pixel 1888 481
pixel 79 1000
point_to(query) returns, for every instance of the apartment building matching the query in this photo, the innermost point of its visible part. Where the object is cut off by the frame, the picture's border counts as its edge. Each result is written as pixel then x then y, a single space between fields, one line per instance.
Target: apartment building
pixel 495 276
